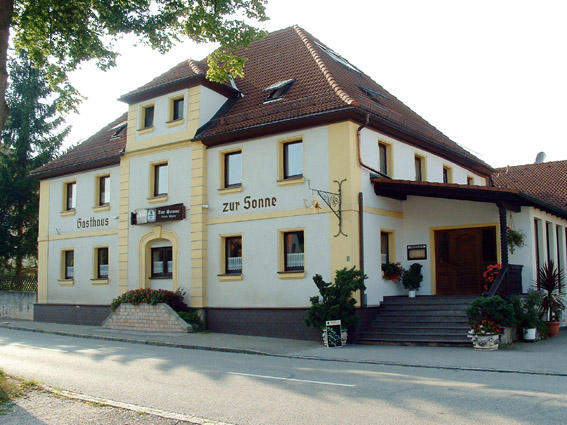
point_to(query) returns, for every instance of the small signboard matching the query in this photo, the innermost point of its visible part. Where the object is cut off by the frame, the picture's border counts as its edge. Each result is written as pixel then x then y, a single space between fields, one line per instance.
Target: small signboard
pixel 171 212
pixel 333 333
pixel 153 215
pixel 417 252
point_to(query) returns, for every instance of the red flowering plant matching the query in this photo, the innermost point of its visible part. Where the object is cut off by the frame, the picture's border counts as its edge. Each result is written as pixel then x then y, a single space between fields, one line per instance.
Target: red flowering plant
pixel 392 271
pixel 485 327
pixel 490 275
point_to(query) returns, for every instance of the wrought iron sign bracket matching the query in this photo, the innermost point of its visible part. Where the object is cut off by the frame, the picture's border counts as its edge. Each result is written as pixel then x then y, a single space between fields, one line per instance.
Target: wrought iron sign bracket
pixel 333 201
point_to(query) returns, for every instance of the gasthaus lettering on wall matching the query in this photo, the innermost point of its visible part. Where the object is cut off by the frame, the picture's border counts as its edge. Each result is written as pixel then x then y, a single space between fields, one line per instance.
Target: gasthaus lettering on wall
pixel 91 222
pixel 249 203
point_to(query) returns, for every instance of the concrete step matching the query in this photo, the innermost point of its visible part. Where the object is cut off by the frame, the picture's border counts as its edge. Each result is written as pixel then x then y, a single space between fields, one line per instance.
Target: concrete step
pixel 423 320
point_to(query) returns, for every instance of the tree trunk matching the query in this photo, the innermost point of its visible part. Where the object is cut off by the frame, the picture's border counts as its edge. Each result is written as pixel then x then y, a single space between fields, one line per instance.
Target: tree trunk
pixel 6 13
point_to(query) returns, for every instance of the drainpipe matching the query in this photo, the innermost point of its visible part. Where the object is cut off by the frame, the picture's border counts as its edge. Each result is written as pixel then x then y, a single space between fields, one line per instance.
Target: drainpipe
pixel 362 164
pixel 503 235
pixel 361 242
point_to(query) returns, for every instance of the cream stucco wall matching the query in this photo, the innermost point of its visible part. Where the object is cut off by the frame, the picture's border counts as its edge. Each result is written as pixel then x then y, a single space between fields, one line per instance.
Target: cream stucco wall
pixel 141 166
pixel 81 230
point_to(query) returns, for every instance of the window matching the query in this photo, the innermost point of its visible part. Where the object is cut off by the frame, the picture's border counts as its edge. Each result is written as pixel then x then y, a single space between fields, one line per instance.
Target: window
pixel 293 251
pixel 447 175
pixel 71 196
pixel 160 179
pixel 385 248
pixel 278 90
pixel 470 181
pixel 68 264
pixel 293 160
pixel 177 109
pixel 103 190
pixel 148 114
pixel 383 153
pixel 233 169
pixel 233 255
pixel 102 263
pixel 162 262
pixel 419 168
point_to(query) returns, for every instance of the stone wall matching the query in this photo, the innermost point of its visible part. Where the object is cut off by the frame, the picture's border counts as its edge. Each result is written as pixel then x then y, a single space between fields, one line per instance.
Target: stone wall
pixel 146 318
pixel 17 305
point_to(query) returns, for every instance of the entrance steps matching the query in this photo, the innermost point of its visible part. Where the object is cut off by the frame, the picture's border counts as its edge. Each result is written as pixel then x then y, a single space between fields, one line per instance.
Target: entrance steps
pixel 423 320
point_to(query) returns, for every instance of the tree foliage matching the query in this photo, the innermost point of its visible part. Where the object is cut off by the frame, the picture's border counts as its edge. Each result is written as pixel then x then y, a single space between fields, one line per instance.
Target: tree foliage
pixel 30 138
pixel 60 35
pixel 336 301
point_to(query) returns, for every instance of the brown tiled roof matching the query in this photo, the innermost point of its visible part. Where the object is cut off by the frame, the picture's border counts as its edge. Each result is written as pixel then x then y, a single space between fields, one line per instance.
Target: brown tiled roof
pixel 324 89
pixel 321 85
pixel 101 149
pixel 545 181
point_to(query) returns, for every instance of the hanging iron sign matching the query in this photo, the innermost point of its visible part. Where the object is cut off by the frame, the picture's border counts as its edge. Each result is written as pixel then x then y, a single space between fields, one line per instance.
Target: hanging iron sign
pixel 154 215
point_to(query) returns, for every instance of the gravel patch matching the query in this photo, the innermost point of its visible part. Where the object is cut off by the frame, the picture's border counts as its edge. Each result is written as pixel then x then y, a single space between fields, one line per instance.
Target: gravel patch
pixel 37 407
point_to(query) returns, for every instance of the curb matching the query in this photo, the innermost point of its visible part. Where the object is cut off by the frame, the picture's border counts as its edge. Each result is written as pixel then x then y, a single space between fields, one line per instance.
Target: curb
pixel 262 353
pixel 132 407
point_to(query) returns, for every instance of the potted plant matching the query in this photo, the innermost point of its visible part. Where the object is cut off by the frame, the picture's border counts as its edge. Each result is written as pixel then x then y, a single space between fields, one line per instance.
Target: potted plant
pixel 335 301
pixel 392 271
pixel 516 239
pixel 529 319
pixel 411 279
pixel 487 316
pixel 549 280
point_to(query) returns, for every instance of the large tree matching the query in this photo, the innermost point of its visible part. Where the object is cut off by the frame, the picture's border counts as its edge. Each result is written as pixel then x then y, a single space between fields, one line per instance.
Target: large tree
pixel 31 137
pixel 59 35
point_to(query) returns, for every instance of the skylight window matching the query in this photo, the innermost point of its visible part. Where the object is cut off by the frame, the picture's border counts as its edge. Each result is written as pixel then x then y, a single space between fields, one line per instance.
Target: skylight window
pixel 373 94
pixel 277 90
pixel 118 128
pixel 338 58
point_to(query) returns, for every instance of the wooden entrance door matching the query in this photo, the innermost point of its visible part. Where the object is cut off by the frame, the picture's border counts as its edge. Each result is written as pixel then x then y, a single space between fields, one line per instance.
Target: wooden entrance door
pixel 461 256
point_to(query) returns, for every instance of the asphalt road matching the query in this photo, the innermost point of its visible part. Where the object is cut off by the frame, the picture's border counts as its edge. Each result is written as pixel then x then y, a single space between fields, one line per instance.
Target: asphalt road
pixel 253 389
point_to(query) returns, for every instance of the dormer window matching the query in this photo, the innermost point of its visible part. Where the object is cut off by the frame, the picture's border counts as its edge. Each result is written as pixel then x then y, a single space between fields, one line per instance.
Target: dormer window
pixel 373 94
pixel 338 58
pixel 278 90
pixel 118 129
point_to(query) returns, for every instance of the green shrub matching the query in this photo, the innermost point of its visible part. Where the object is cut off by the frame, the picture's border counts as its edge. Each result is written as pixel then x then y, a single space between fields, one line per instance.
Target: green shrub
pixel 493 308
pixel 336 302
pixel 153 297
pixel 192 317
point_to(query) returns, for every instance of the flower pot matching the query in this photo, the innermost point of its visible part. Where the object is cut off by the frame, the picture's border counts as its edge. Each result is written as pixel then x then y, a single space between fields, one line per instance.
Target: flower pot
pixel 411 293
pixel 530 334
pixel 486 342
pixel 552 329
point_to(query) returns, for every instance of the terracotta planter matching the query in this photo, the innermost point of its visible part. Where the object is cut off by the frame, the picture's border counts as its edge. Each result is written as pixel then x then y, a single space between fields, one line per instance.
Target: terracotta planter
pixel 552 329
pixel 486 342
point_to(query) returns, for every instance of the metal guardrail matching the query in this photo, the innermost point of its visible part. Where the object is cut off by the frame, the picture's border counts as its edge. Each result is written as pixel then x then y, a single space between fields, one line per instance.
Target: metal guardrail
pixel 25 283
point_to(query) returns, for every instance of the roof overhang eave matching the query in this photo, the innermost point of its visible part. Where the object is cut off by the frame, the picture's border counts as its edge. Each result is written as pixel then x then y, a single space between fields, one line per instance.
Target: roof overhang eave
pixel 510 198
pixel 191 81
pixel 77 167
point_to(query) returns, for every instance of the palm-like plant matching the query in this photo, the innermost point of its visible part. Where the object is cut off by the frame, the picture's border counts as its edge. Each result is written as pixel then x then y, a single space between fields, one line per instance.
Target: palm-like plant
pixel 549 280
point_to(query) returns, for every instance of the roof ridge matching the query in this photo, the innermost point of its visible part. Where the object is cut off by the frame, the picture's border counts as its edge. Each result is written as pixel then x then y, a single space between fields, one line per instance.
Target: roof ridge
pixel 344 96
pixel 531 164
pixel 194 66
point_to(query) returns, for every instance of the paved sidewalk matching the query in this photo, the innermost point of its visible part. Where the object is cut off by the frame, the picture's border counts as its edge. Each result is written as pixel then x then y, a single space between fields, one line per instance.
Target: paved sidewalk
pixel 548 357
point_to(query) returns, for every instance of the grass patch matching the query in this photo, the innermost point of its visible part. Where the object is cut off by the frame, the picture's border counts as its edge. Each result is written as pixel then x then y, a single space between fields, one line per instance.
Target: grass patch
pixel 9 390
